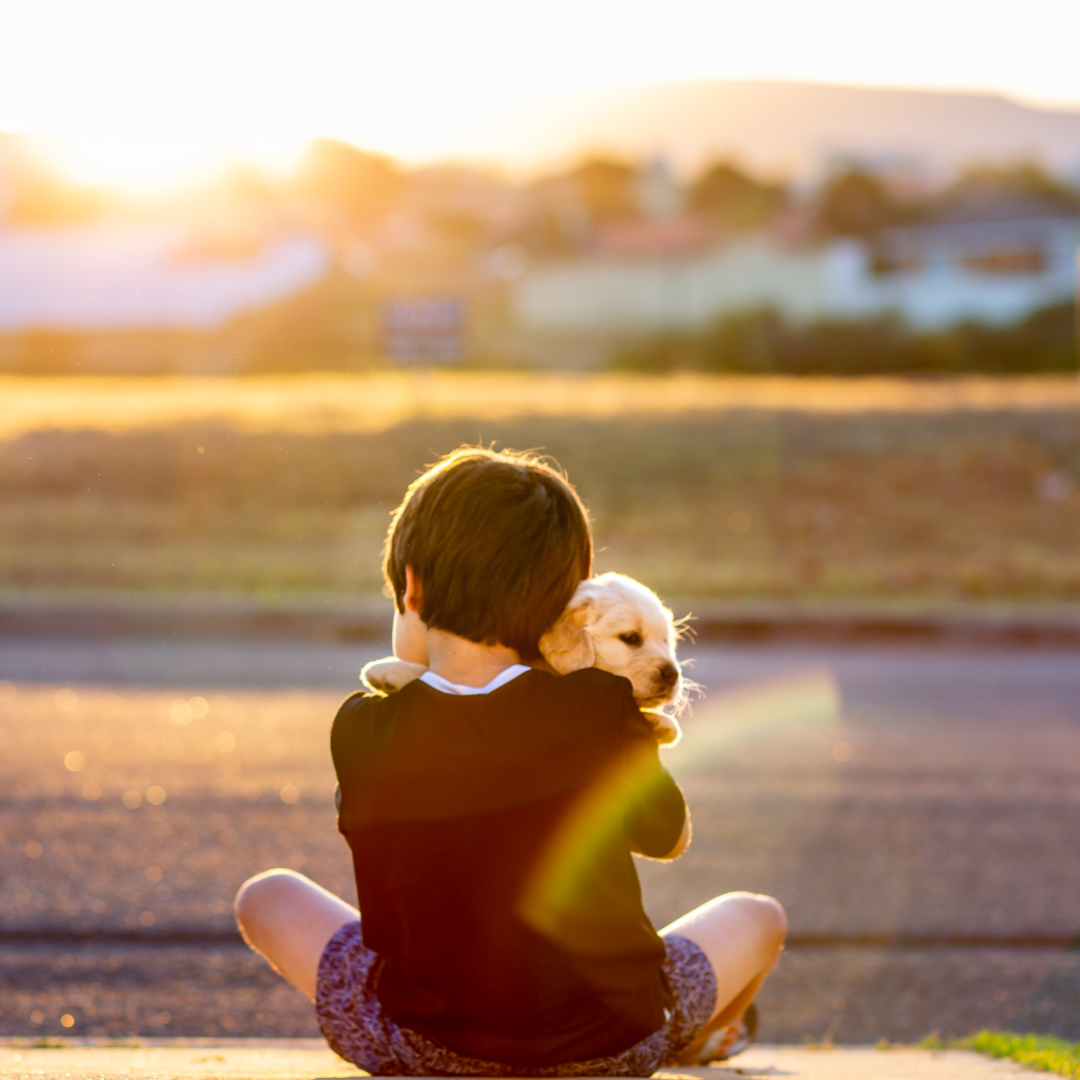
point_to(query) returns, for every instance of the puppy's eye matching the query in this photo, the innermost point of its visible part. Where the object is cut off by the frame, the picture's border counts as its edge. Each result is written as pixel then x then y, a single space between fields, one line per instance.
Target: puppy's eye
pixel 632 639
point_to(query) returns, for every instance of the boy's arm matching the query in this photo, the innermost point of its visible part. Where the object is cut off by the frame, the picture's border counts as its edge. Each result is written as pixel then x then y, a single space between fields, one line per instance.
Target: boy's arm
pixel 657 820
pixel 681 844
pixel 659 828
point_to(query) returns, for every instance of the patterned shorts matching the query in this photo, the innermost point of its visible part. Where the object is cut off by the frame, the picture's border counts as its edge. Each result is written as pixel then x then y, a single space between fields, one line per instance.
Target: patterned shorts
pixel 355 1026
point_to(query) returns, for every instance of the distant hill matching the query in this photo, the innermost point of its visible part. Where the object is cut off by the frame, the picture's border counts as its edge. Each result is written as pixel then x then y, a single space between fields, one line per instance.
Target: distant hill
pixel 792 127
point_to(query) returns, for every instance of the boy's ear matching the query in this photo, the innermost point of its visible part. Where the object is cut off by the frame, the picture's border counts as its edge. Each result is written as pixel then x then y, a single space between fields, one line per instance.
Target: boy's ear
pixel 568 645
pixel 413 597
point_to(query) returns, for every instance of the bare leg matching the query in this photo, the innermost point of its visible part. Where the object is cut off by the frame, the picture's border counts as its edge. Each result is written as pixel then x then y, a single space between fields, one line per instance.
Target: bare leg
pixel 742 934
pixel 289 919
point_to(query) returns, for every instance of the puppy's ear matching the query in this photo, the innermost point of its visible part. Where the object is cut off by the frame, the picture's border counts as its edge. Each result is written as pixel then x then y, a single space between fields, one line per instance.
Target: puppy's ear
pixel 568 645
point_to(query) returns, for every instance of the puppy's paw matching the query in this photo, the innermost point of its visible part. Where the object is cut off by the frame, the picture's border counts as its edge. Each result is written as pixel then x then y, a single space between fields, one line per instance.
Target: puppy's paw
pixel 666 727
pixel 389 675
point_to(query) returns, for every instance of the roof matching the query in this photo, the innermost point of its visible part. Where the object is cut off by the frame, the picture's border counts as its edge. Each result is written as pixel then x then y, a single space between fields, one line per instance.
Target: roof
pixel 656 237
pixel 978 224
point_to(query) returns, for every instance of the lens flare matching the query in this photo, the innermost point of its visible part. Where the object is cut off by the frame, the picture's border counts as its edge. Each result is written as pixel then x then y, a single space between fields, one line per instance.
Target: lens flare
pixel 800 699
pixel 564 869
pixel 548 900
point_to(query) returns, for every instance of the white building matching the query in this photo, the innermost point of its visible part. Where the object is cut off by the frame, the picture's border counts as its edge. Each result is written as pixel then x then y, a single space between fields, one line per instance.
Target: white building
pixel 932 276
pixel 145 277
pixel 687 286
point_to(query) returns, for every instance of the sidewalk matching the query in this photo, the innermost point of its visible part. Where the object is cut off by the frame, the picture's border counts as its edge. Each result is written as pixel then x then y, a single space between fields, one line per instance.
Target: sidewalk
pixel 309 1059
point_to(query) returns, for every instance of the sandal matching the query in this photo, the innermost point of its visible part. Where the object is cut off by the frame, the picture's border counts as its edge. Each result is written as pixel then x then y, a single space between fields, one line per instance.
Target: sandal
pixel 728 1041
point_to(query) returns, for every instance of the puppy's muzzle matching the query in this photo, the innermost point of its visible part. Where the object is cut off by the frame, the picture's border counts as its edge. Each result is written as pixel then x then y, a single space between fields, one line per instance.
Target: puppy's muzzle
pixel 665 684
pixel 668 676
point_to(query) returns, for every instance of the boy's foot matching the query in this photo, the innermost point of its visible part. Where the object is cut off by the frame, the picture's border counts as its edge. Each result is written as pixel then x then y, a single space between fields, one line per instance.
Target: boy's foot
pixel 728 1041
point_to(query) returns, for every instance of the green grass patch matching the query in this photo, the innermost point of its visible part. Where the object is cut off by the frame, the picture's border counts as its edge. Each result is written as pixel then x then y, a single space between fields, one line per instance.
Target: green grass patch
pixel 1043 1052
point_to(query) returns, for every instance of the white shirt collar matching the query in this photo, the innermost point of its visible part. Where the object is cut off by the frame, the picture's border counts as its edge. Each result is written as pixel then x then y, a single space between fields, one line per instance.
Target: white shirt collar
pixel 437 682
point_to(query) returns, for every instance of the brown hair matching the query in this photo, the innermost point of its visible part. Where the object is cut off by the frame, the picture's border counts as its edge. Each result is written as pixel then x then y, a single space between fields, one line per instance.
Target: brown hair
pixel 499 542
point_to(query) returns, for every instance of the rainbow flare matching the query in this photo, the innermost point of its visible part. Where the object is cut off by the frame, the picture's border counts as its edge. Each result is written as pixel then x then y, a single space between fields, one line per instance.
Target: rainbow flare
pixel 548 899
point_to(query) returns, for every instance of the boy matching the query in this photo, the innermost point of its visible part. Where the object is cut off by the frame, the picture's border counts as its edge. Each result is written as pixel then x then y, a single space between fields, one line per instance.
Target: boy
pixel 492 809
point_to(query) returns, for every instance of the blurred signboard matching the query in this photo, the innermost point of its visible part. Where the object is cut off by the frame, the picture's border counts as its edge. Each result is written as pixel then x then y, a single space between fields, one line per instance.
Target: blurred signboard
pixel 424 329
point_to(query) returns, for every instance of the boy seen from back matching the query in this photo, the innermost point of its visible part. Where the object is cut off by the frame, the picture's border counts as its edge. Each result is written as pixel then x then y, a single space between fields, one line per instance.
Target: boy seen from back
pixel 493 809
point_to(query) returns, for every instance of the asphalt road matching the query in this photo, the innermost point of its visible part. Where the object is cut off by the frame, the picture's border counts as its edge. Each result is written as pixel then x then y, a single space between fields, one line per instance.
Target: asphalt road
pixel 916 810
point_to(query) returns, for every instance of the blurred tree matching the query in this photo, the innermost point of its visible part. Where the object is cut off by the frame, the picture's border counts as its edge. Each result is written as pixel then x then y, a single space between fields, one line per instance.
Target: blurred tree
pixel 1023 180
pixel 33 194
pixel 359 187
pixel 761 341
pixel 45 352
pixel 856 203
pixel 328 327
pixel 459 230
pixel 736 199
pixel 606 188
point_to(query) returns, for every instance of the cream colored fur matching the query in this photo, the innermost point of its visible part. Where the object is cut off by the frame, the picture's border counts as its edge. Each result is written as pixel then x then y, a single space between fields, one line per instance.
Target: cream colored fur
pixel 613 623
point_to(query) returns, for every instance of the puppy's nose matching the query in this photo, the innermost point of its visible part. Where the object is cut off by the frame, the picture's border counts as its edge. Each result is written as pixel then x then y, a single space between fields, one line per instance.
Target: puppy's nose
pixel 669 674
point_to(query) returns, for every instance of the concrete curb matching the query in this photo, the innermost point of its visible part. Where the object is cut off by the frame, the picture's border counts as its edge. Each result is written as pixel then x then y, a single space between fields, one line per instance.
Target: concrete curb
pixel 369 620
pixel 182 1059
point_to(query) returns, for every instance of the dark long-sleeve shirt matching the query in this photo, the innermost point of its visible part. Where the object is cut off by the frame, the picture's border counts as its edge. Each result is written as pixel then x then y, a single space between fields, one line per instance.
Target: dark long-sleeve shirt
pixel 491 838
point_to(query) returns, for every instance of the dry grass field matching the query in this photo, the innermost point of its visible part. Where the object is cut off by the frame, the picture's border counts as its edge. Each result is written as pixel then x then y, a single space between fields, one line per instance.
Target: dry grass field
pixel 377 401
pixel 706 487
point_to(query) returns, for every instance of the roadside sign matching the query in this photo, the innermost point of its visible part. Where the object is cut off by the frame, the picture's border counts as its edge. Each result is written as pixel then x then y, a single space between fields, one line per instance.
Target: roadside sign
pixel 424 329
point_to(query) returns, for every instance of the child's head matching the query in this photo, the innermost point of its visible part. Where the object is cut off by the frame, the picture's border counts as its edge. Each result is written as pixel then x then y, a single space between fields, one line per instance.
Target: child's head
pixel 499 543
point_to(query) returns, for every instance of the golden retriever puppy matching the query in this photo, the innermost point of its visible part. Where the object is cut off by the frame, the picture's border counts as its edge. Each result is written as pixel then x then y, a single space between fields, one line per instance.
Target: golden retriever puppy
pixel 612 622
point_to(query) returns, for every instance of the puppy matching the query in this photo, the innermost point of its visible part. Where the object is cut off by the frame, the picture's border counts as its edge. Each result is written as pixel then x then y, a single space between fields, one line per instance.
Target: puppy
pixel 612 622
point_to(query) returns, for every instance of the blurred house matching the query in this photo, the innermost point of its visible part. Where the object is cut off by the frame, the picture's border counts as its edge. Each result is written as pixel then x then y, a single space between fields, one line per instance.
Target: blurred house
pixel 146 277
pixel 681 274
pixel 995 263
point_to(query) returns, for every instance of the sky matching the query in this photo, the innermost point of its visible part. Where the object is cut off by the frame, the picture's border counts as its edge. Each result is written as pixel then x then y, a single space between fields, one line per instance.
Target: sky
pixel 155 92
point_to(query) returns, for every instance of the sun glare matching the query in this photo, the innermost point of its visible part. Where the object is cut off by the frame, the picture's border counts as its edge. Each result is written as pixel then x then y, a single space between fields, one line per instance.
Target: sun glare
pixel 124 162
pixel 145 96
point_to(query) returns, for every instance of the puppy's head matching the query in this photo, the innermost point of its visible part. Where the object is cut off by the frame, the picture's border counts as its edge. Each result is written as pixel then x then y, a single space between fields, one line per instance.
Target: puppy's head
pixel 615 623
